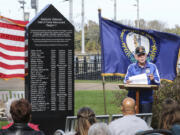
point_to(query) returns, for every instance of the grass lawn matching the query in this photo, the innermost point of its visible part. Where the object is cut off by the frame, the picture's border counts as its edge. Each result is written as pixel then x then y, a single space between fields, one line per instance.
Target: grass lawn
pixel 94 99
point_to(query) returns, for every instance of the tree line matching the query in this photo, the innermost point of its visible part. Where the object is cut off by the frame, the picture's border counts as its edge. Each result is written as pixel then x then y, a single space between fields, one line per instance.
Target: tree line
pixel 92 42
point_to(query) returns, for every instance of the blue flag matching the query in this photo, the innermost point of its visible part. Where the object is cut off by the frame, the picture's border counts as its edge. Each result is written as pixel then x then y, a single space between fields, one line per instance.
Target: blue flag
pixel 118 43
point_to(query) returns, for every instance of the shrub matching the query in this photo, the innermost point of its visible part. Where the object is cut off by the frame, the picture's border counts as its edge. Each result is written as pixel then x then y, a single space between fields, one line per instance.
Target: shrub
pixel 166 90
pixel 118 97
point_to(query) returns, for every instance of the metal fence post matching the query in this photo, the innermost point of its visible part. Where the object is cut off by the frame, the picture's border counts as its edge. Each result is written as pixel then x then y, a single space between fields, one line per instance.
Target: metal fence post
pixel 77 65
pixel 85 64
pixel 95 64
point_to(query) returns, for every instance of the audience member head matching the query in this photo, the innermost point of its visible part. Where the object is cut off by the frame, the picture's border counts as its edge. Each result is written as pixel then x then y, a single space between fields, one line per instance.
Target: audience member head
pixel 176 119
pixel 85 118
pixel 99 129
pixel 128 106
pixel 168 104
pixel 168 113
pixel 20 111
pixel 7 110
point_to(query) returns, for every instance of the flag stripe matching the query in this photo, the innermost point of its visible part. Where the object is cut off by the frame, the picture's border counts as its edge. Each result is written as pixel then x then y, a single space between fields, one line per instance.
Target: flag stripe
pixel 11 66
pixel 12 53
pixel 11 57
pixel 12 43
pixel 11 76
pixel 10 26
pixel 12 32
pixel 11 37
pixel 9 72
pixel 12 62
pixel 12 48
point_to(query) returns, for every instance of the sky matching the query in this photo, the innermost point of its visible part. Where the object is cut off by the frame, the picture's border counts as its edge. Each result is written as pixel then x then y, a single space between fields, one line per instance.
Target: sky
pixel 166 11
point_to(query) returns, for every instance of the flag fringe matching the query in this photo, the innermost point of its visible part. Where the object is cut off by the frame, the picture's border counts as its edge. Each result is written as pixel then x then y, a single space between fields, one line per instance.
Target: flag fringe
pixel 123 75
pixel 170 81
pixel 12 22
pixel 6 79
pixel 113 74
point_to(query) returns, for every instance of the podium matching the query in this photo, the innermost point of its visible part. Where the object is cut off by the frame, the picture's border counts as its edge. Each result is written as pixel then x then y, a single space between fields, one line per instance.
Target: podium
pixel 138 88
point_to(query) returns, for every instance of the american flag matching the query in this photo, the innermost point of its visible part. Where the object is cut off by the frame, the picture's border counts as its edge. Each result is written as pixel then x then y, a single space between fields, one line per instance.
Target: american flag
pixel 12 48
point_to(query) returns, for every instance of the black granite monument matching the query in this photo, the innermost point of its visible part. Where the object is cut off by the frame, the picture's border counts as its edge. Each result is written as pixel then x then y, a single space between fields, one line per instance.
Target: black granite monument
pixel 49 84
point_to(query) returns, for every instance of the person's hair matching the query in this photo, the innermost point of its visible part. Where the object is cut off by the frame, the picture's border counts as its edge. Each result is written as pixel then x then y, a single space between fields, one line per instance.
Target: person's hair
pixel 20 111
pixel 85 118
pixel 167 115
pixel 176 119
pixel 7 110
pixel 99 129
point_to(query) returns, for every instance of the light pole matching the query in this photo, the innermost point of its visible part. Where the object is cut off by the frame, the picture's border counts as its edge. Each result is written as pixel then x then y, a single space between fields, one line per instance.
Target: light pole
pixel 70 10
pixel 23 3
pixel 115 9
pixel 137 5
pixel 34 5
pixel 138 22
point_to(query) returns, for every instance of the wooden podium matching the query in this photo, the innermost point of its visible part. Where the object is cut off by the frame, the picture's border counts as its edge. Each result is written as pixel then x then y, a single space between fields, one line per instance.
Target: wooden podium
pixel 138 88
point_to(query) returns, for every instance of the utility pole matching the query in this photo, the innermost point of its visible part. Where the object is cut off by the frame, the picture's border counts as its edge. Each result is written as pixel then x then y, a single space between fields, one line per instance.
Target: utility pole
pixel 115 9
pixel 23 3
pixel 82 23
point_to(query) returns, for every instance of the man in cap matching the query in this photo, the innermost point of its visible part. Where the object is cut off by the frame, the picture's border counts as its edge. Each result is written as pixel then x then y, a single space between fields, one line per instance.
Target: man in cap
pixel 140 67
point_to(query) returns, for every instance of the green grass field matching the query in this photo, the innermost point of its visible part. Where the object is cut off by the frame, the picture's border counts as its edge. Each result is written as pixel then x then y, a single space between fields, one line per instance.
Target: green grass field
pixel 94 99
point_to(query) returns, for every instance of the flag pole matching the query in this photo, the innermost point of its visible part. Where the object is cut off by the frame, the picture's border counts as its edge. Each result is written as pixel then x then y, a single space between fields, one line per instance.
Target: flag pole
pixel 104 94
pixel 103 78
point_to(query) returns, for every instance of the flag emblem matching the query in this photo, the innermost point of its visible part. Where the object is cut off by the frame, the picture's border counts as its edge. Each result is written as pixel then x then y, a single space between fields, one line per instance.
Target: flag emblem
pixel 130 39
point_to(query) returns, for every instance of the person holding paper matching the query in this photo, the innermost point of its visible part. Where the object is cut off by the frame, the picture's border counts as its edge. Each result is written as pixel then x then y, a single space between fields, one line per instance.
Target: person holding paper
pixel 138 70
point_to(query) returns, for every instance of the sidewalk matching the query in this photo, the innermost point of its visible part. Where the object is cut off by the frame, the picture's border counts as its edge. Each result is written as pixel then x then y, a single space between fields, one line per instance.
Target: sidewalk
pixel 18 84
pixel 96 86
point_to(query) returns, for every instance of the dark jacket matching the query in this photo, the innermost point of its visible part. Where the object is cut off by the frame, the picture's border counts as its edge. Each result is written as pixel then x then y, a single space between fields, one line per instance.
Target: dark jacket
pixel 20 129
pixel 175 129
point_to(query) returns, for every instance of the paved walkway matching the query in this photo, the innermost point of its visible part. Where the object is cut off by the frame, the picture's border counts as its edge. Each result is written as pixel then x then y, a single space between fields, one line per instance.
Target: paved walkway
pixel 18 84
pixel 12 84
pixel 95 86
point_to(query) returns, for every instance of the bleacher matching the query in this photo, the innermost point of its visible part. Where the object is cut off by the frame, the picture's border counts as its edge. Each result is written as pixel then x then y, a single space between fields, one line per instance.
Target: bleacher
pixel 13 94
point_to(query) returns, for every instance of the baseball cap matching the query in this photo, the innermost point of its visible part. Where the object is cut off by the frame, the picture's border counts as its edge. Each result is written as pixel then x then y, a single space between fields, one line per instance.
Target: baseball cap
pixel 140 50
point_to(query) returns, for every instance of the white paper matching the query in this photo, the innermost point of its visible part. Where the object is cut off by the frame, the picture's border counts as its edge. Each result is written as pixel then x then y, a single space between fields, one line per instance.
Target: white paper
pixel 139 79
